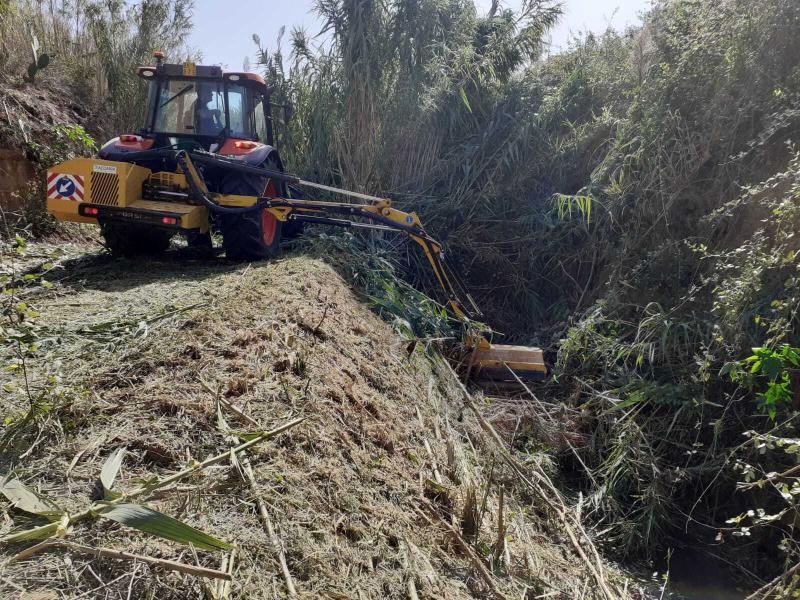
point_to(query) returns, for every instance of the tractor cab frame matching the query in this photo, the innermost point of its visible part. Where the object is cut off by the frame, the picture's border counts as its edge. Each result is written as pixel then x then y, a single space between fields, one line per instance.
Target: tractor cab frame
pixel 197 107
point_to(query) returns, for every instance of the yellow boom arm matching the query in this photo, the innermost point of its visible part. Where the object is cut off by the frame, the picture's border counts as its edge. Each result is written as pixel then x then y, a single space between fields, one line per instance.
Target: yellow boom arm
pixel 487 360
pixel 84 190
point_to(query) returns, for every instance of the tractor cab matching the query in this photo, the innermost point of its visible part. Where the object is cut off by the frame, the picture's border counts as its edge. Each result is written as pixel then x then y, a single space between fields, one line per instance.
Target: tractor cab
pixel 195 107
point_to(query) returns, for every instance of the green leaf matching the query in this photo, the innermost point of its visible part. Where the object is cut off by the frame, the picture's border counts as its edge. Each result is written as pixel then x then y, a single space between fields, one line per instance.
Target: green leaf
pixel 24 498
pixel 464 98
pixel 792 355
pixel 630 401
pixel 246 436
pixel 110 470
pixel 156 523
pixel 30 534
pixel 729 368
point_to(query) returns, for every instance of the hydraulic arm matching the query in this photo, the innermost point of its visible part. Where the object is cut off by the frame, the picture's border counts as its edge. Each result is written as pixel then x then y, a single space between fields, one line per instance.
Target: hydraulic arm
pixel 378 215
pixel 487 360
pixel 115 194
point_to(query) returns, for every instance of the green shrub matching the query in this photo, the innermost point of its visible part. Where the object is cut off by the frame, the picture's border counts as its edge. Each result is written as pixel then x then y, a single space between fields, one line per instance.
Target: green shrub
pixel 634 196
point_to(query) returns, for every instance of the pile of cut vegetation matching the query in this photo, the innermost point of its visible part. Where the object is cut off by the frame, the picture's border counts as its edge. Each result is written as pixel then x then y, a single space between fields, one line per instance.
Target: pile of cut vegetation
pixel 379 476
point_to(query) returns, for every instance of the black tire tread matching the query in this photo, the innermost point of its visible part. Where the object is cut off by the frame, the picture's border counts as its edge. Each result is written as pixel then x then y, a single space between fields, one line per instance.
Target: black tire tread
pixel 241 234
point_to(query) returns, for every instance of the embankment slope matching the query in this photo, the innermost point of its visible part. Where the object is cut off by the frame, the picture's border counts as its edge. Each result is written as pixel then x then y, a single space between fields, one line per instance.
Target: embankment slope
pixel 364 496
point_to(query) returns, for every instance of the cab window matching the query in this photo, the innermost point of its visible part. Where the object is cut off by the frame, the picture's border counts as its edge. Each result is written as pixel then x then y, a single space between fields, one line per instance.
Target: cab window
pixel 237 107
pixel 190 107
pixel 260 120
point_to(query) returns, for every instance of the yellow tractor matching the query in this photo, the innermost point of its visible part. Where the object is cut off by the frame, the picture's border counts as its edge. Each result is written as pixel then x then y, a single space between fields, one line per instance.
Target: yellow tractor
pixel 206 156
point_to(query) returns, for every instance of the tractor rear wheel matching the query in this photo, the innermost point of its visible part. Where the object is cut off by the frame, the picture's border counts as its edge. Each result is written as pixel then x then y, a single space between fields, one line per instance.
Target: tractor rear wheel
pixel 253 235
pixel 123 239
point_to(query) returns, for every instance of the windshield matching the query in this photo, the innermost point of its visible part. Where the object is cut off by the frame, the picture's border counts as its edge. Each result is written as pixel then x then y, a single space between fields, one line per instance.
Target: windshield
pixel 190 107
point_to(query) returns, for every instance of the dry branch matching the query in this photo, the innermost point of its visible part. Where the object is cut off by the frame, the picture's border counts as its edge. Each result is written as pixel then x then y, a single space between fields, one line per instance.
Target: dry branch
pixel 411 587
pixel 546 491
pixel 273 538
pixel 226 584
pixel 473 557
pixel 227 404
pixel 500 543
pixel 771 587
pixel 170 565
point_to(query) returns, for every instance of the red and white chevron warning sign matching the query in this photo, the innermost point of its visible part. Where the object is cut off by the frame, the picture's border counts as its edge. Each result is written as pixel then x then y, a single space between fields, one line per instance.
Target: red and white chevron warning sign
pixel 61 186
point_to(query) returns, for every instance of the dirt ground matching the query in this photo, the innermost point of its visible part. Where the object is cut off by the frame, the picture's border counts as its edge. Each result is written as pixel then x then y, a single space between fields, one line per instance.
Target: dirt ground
pixel 370 497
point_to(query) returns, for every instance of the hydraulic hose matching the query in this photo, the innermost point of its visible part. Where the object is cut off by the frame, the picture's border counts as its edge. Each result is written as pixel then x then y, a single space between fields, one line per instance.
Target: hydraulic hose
pixel 224 163
pixel 447 277
pixel 197 194
pixel 232 165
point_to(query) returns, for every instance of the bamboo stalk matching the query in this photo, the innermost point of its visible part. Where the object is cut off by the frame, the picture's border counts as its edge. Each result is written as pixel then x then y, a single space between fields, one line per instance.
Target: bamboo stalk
pixel 434 467
pixel 501 529
pixel 552 420
pixel 473 557
pixel 227 404
pixel 219 583
pixel 411 587
pixel 47 531
pixel 226 584
pixel 28 552
pixel 170 565
pixel 273 538
pixel 550 495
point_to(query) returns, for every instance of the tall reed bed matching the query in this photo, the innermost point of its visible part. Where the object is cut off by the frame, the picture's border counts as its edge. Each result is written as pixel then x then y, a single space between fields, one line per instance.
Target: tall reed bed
pixel 94 48
pixel 629 196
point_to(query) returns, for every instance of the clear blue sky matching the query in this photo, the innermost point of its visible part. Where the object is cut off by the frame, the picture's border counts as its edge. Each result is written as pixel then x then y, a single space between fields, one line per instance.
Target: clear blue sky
pixel 224 28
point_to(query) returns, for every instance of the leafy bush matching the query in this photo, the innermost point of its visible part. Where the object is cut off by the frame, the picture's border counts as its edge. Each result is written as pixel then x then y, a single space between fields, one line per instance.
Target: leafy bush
pixel 372 268
pixel 634 195
pixel 775 366
pixel 94 47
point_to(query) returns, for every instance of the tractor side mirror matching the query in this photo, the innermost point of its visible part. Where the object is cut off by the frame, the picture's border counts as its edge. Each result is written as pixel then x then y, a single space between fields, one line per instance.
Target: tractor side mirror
pixel 288 111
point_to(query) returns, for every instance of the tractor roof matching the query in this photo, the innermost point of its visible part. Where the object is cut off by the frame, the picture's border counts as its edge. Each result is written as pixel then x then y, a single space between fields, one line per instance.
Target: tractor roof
pixel 193 71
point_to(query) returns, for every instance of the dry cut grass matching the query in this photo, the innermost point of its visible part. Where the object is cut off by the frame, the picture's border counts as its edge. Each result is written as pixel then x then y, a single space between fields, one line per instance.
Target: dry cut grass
pixel 388 489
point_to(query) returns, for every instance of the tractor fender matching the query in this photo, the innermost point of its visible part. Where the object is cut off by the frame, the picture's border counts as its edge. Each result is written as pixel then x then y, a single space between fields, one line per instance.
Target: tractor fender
pixel 253 157
pixel 116 149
